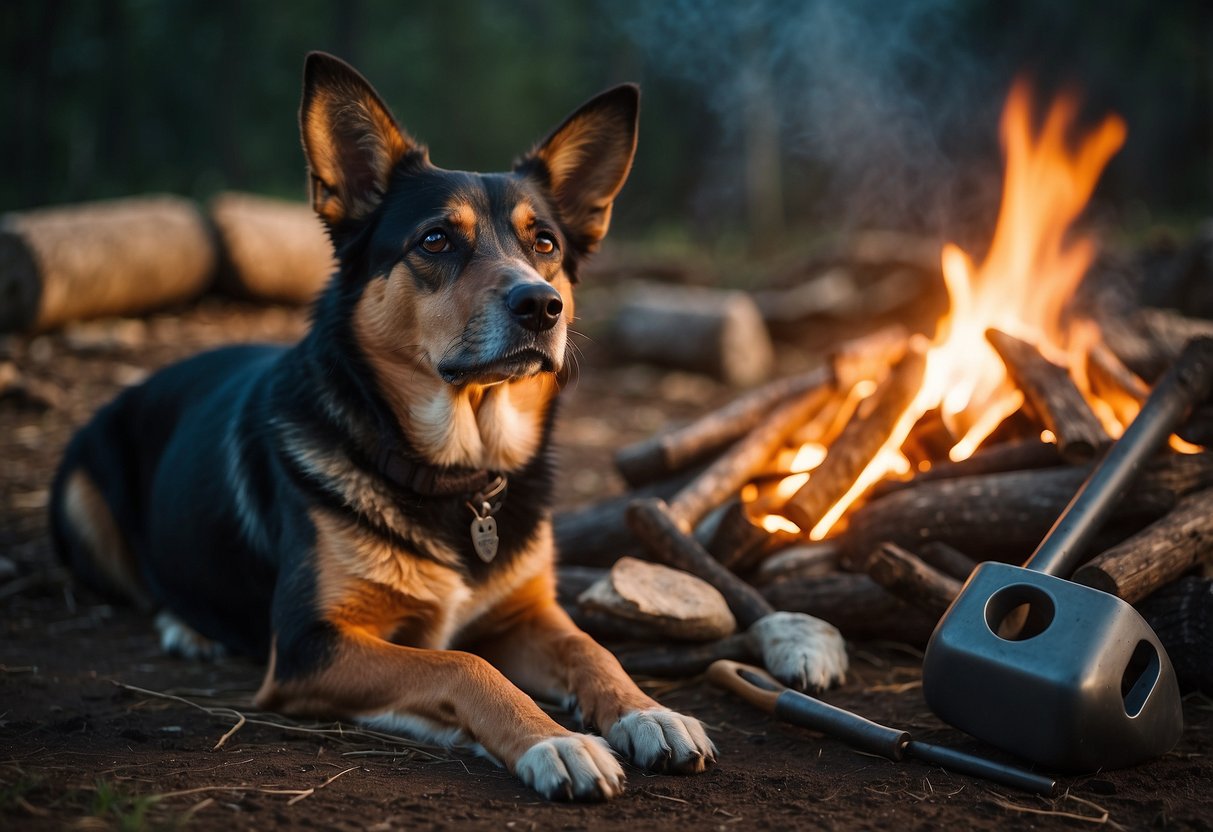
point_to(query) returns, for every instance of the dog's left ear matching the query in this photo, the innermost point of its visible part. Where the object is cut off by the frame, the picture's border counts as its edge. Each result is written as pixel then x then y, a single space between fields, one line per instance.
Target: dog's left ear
pixel 350 139
pixel 585 161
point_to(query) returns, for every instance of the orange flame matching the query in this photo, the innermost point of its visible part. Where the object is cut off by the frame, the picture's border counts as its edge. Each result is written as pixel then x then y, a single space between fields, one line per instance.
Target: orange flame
pixel 1032 269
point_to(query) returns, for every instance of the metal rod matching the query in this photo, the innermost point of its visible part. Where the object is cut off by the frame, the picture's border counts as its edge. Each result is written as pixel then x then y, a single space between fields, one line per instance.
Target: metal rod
pixel 1184 386
pixel 965 763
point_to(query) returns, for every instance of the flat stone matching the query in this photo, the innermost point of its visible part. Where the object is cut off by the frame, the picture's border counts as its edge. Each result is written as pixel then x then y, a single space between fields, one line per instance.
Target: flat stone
pixel 669 602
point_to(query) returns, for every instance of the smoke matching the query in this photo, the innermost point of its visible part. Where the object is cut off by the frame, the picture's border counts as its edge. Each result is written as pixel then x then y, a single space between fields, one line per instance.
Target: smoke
pixel 869 104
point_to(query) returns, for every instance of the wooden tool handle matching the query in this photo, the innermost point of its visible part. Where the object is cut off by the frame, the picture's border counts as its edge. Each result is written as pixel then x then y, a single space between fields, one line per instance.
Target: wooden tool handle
pixel 752 684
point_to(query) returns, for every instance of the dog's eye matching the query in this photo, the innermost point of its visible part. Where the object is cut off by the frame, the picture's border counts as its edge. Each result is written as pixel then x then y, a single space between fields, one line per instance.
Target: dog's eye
pixel 436 242
pixel 545 243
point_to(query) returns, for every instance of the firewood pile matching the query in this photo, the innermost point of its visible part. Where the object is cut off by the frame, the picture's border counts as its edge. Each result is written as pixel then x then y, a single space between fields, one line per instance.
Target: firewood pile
pixel 730 497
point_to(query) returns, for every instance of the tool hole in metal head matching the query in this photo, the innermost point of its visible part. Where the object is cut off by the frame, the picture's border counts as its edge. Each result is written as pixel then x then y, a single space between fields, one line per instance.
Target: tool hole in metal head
pixel 1019 612
pixel 1140 676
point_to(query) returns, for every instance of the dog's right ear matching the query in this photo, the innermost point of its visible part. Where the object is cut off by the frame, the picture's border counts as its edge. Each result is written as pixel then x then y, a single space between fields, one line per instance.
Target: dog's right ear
pixel 350 139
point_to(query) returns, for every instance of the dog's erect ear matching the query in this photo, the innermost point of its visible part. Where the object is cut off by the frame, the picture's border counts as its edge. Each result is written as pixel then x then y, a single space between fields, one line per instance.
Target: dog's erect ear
pixel 350 139
pixel 586 160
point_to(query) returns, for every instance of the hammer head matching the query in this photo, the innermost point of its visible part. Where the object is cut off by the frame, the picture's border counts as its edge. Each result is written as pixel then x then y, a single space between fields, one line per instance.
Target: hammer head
pixel 1058 673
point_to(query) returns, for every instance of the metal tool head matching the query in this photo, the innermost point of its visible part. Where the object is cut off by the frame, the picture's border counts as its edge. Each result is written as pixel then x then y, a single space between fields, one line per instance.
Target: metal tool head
pixel 1059 673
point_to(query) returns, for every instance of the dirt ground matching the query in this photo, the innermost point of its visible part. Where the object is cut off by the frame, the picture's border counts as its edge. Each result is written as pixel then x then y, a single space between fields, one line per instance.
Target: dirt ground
pixel 98 730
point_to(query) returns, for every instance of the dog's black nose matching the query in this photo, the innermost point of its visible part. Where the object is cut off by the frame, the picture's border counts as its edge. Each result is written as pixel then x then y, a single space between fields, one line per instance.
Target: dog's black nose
pixel 537 306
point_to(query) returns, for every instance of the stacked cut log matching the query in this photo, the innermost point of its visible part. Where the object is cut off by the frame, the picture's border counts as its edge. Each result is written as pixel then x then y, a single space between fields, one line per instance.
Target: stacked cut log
pixel 129 256
pixel 891 569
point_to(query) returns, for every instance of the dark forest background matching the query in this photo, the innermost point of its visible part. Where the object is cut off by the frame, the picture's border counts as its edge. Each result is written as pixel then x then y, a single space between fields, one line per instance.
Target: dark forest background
pixel 760 120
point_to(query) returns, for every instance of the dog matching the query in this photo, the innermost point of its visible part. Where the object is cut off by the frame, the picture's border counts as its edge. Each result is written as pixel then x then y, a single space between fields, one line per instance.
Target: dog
pixel 368 511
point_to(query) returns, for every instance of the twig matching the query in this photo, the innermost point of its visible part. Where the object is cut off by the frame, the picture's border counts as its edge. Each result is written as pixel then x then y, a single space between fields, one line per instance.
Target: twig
pixel 309 792
pixel 222 740
pixel 999 800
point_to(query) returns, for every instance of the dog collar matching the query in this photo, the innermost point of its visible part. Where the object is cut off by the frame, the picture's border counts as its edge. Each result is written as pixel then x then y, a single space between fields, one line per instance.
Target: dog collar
pixel 434 480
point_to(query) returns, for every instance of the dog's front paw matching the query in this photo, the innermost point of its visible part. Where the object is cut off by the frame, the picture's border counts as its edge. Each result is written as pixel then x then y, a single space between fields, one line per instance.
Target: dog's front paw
pixel 799 650
pixel 573 767
pixel 662 740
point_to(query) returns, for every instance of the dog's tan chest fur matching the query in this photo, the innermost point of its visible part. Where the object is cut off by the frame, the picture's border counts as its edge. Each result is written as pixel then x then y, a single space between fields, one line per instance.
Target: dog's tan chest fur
pixel 368 584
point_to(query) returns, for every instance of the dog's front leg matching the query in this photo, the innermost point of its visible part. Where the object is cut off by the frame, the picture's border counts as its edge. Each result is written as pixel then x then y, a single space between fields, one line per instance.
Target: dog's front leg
pixel 439 694
pixel 541 650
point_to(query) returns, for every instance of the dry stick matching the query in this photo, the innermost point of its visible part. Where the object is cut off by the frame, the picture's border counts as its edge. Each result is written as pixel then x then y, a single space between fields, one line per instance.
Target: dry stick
pixel 1004 516
pixel 858 443
pixel 667 453
pixel 684 659
pixel 947 559
pixel 1052 395
pixel 907 577
pixel 858 606
pixel 1158 554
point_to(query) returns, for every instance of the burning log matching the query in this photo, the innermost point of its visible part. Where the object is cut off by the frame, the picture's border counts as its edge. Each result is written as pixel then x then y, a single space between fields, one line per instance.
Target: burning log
pixel 858 606
pixel 670 452
pixel 859 442
pixel 1149 340
pixel 271 249
pixel 1157 555
pixel 740 463
pixel 117 257
pixel 1004 516
pixel 1053 397
pixel 867 357
pixel 717 333
pixel 571 581
pixel 1016 455
pixel 909 578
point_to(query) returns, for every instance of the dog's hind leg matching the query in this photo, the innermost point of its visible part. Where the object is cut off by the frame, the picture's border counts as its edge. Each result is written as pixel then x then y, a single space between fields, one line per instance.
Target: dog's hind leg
pixel 90 541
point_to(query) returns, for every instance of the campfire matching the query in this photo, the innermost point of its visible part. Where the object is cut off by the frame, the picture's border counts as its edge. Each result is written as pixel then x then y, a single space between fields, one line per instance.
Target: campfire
pixel 865 491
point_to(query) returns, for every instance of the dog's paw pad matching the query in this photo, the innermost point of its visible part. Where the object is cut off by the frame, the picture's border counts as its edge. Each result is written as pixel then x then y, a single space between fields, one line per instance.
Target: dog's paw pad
pixel 574 767
pixel 659 739
pixel 801 651
pixel 178 639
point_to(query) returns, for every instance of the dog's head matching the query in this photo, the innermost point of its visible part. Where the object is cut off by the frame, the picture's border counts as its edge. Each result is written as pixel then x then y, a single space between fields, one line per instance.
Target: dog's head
pixel 462 277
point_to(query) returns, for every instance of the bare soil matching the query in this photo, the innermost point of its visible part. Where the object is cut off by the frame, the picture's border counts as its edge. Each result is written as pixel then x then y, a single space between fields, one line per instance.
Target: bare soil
pixel 99 730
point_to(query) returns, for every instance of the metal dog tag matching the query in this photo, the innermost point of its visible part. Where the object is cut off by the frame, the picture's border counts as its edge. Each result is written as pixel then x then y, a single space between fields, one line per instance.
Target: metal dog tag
pixel 484 536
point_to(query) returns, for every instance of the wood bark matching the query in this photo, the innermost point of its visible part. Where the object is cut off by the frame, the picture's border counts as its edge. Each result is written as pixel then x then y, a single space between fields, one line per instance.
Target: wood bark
pixel 672 451
pixel 718 333
pixel 858 606
pixel 650 520
pixel 1157 555
pixel 1004 516
pixel 118 257
pixel 858 443
pixel 909 578
pixel 270 249
pixel 1052 395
